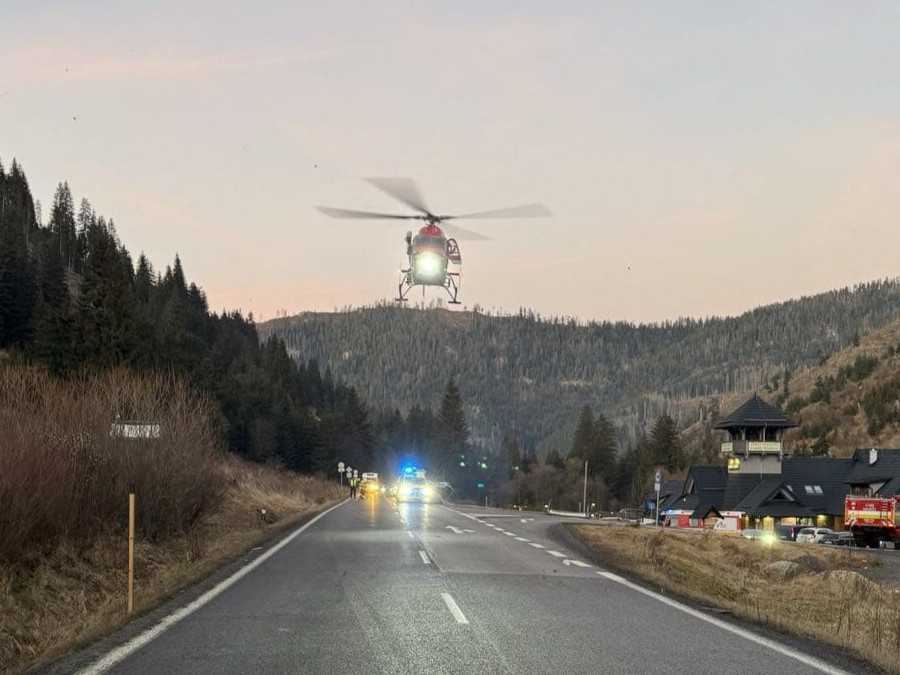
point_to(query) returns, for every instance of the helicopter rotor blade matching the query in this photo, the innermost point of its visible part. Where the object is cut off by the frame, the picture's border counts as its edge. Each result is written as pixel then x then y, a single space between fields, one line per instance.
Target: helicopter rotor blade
pixel 370 215
pixel 523 211
pixel 462 233
pixel 404 190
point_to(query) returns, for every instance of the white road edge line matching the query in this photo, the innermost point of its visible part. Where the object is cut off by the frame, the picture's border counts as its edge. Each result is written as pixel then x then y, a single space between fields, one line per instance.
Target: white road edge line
pixel 424 557
pixel 810 661
pixel 454 608
pixel 122 652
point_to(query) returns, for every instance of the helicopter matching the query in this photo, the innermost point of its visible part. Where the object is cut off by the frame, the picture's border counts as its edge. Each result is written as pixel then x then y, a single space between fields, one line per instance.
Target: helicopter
pixel 434 258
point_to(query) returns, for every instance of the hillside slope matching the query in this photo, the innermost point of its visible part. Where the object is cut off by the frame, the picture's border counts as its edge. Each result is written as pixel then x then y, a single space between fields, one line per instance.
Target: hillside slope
pixel 530 374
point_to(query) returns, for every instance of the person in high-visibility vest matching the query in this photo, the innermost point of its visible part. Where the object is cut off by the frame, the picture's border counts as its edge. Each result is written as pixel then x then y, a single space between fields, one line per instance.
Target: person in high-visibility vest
pixel 354 487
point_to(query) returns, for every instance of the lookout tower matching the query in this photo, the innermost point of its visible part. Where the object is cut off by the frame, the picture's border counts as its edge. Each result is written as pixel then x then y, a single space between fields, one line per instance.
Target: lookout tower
pixel 755 433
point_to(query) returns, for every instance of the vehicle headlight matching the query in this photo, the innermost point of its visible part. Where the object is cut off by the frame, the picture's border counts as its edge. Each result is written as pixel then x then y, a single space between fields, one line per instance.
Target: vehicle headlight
pixel 428 491
pixel 428 265
pixel 405 491
pixel 768 538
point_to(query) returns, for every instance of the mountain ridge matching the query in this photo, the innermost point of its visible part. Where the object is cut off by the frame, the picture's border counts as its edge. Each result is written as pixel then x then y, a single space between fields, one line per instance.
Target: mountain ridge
pixel 530 374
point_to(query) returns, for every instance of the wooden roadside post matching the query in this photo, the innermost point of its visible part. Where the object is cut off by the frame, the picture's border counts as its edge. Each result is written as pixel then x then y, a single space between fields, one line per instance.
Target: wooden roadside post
pixel 131 550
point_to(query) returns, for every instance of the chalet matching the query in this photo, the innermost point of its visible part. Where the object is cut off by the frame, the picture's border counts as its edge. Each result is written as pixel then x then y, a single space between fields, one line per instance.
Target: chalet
pixel 700 499
pixel 762 484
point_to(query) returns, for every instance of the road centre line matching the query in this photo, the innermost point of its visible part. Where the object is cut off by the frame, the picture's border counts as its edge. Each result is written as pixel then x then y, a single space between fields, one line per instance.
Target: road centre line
pixel 454 608
pixel 536 545
pixel 424 557
pixel 557 554
pixel 810 661
pixel 521 539
pixel 122 652
pixel 510 534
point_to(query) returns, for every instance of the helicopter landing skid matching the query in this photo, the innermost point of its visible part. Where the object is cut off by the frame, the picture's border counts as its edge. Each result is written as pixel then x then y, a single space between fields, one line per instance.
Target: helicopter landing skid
pixel 451 285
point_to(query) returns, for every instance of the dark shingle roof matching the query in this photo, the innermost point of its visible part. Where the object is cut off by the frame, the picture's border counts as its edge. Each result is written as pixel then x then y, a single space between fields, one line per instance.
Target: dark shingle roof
pixel 764 488
pixel 708 483
pixel 756 413
pixel 885 468
pixel 739 486
pixel 826 472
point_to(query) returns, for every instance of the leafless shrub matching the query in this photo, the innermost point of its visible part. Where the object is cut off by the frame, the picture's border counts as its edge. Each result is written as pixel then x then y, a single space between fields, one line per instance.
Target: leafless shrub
pixel 64 473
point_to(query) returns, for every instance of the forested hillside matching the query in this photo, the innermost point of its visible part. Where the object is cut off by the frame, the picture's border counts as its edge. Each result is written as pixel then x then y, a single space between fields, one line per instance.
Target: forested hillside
pixel 73 300
pixel 530 375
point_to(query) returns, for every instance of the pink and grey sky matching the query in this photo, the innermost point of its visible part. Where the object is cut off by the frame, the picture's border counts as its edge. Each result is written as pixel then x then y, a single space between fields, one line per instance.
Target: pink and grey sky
pixel 699 158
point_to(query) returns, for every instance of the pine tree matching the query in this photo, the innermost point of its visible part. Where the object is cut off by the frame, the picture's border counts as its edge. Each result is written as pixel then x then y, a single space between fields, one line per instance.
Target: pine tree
pixel 665 444
pixel 453 431
pixel 604 450
pixel 585 435
pixel 17 275
pixel 54 330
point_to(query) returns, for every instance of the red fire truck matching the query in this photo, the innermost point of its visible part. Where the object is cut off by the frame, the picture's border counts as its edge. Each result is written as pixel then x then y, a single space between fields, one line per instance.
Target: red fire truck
pixel 872 520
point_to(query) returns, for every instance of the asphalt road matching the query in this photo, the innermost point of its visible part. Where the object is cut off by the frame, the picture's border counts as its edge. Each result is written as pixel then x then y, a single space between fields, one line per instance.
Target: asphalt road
pixel 411 588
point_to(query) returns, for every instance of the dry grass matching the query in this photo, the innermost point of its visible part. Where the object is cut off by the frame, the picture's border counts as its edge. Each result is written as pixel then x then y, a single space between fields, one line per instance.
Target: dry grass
pixel 52 601
pixel 828 599
pixel 64 473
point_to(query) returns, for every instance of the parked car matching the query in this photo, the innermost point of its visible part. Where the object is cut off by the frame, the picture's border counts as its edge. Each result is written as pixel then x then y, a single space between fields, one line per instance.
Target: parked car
pixel 839 539
pixel 812 535
pixel 788 532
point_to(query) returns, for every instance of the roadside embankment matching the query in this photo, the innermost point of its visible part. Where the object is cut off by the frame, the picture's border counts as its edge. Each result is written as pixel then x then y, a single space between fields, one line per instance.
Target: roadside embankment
pixel 807 590
pixel 65 474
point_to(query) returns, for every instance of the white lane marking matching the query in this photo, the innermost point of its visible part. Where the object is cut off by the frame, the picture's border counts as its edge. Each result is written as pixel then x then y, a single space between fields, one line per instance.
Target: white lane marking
pixel 411 535
pixel 536 545
pixel 454 608
pixel 510 534
pixel 577 563
pixel 499 530
pixel 557 554
pixel 521 539
pixel 735 630
pixel 424 557
pixel 121 652
pixel 526 520
pixel 459 530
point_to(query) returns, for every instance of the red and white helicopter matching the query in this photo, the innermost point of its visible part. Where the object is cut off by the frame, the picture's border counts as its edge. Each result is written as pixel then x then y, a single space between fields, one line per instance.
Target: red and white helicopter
pixel 431 252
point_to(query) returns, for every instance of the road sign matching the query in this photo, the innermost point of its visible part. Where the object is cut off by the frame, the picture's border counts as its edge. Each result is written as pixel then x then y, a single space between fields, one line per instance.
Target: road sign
pixel 340 467
pixel 658 475
pixel 355 473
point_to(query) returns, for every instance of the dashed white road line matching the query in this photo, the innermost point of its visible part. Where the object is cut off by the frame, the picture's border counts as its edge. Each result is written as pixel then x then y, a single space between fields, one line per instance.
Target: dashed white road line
pixel 810 661
pixel 424 557
pixel 510 534
pixel 522 539
pixel 557 554
pixel 454 608
pixel 536 545
pixel 576 563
